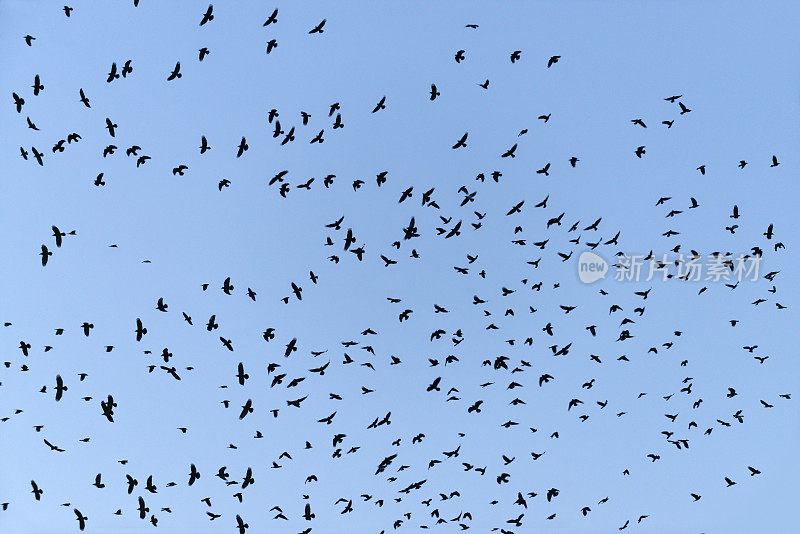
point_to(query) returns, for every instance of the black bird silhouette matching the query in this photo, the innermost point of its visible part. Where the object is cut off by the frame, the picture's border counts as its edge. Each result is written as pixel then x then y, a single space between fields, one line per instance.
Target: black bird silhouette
pixel 112 74
pixel 176 72
pixel 38 87
pixel 84 99
pixel 461 142
pixel 81 519
pixel 140 330
pixel 241 525
pixel 318 28
pixel 45 254
pixel 18 102
pixel 194 474
pixel 273 18
pixel 243 146
pixel 37 493
pixel 60 387
pixel 207 16
pixel 204 147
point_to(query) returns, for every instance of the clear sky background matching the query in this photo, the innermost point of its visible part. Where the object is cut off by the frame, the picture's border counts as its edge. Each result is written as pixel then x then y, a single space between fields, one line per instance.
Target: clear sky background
pixel 734 64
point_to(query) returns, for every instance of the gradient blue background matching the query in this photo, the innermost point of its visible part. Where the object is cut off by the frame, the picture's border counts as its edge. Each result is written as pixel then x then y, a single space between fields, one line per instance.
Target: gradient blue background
pixel 736 66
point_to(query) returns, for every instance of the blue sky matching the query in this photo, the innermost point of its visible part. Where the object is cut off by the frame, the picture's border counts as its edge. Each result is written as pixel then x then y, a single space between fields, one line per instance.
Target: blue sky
pixel 734 66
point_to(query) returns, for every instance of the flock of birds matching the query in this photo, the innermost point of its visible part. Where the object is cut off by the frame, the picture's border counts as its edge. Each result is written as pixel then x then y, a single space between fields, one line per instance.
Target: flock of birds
pixel 493 382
